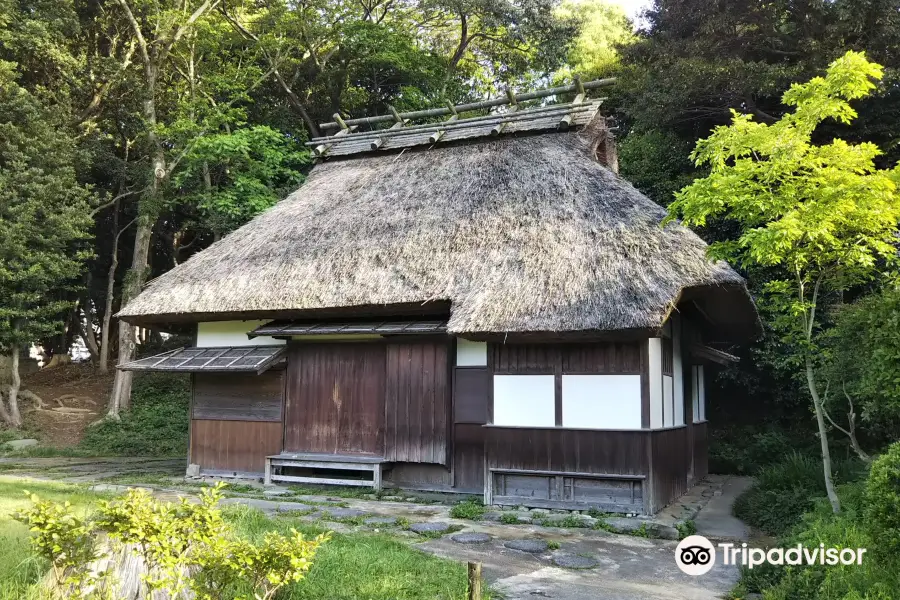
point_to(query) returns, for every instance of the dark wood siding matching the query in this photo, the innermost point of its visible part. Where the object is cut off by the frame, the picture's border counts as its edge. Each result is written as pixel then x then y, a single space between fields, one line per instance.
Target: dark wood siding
pixel 234 446
pixel 701 450
pixel 471 394
pixel 572 450
pixel 238 396
pixel 568 468
pixel 671 454
pixel 607 357
pixel 420 476
pixel 417 402
pixel 335 398
pixel 468 458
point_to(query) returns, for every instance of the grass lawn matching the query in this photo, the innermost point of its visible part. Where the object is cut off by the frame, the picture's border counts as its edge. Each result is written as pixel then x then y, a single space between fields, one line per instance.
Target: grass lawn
pixel 19 568
pixel 359 566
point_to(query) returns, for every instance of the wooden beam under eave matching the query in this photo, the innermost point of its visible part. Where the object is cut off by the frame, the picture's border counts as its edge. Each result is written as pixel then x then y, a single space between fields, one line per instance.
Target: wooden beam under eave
pixel 711 354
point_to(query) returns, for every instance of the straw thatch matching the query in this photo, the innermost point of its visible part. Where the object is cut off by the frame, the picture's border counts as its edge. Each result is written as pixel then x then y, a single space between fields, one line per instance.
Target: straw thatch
pixel 527 234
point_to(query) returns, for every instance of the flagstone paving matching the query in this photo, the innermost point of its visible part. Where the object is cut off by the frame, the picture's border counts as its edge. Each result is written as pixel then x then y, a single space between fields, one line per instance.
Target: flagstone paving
pixel 521 561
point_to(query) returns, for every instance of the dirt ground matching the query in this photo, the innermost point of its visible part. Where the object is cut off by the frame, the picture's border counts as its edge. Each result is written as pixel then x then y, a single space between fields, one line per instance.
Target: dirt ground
pixel 74 396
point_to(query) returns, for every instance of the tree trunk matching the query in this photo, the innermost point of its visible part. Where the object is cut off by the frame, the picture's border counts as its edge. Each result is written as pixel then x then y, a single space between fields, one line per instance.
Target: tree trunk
pixel 120 399
pixel 110 293
pixel 121 394
pixel 86 325
pixel 13 417
pixel 823 437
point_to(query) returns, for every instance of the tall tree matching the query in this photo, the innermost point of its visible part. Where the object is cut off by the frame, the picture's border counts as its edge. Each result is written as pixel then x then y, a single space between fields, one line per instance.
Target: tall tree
pixel 603 29
pixel 44 217
pixel 822 213
pixel 695 60
pixel 157 26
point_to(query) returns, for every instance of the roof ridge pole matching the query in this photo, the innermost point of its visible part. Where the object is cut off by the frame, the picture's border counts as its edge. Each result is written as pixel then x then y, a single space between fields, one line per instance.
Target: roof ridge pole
pixel 399 122
pixel 428 127
pixel 514 106
pixel 437 135
pixel 566 121
pixel 321 149
pixel 438 112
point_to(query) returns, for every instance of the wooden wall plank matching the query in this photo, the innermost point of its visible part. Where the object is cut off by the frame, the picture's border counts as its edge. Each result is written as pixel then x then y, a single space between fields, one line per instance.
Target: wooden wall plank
pixel 671 465
pixel 234 446
pixel 417 402
pixel 335 398
pixel 471 393
pixel 568 450
pixel 601 358
pixel 238 396
pixel 468 458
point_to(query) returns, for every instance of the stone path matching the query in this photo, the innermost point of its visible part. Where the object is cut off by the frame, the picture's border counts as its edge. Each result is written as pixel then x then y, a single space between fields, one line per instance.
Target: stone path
pixel 87 470
pixel 715 520
pixel 521 561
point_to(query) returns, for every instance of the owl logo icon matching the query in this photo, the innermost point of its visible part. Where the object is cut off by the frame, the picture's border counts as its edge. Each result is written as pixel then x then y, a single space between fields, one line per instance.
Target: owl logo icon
pixel 695 555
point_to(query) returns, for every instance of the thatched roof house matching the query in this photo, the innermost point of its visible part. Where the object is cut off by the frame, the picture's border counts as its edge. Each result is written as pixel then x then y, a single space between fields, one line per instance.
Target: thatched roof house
pixel 524 235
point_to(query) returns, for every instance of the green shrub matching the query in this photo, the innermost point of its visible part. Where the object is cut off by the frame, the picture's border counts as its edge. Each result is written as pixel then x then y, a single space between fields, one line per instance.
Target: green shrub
pixel 156 425
pixel 509 519
pixel 883 502
pixel 185 546
pixel 686 529
pixel 783 492
pixel 468 509
pixel 877 578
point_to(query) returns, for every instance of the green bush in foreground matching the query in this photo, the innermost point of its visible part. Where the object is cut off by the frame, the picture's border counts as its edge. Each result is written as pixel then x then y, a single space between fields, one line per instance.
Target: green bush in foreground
pixel 883 502
pixel 156 425
pixel 186 546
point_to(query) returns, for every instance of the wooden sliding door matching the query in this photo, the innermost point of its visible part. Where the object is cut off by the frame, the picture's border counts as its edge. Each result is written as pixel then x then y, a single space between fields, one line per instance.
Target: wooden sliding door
pixel 335 398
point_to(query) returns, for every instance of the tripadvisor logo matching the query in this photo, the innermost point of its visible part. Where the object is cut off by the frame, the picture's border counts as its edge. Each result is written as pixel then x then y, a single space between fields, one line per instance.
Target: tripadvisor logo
pixel 696 555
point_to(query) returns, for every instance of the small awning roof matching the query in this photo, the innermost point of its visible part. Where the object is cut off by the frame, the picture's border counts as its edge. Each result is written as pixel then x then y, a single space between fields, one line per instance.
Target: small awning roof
pixel 227 359
pixel 283 328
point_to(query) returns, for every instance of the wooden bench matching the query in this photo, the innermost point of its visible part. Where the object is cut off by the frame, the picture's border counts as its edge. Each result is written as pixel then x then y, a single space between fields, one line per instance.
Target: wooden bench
pixel 325 462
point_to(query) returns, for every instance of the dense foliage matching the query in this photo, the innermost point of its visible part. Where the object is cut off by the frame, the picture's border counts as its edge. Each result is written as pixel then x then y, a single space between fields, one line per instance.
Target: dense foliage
pixel 785 490
pixel 868 520
pixel 157 425
pixel 43 219
pixel 822 218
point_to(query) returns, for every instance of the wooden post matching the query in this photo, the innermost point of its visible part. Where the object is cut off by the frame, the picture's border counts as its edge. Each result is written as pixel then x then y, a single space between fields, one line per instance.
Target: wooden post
pixel 474 581
pixel 376 477
pixel 267 480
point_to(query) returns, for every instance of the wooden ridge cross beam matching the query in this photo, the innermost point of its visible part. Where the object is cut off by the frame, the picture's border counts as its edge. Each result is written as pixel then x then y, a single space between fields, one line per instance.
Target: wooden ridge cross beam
pixel 348 140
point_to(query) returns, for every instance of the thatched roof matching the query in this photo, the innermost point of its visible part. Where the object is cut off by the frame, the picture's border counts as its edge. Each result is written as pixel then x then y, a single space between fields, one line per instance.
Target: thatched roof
pixel 518 234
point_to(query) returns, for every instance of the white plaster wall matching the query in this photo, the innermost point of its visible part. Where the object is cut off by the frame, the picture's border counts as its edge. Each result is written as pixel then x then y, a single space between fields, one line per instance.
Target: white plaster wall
pixel 470 354
pixel 525 400
pixel 668 402
pixel 678 368
pixel 698 390
pixel 601 401
pixel 655 377
pixel 216 334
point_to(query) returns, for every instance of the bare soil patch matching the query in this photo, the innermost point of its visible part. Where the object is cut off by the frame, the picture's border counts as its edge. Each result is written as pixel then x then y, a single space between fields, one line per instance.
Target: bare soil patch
pixel 74 396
